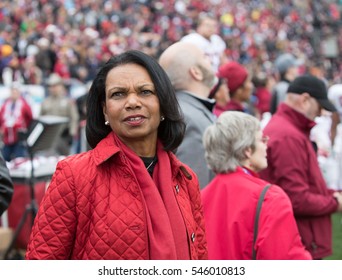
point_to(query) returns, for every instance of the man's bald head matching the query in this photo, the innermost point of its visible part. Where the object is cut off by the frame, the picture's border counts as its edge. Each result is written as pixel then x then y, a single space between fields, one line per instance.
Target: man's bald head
pixel 181 53
pixel 179 61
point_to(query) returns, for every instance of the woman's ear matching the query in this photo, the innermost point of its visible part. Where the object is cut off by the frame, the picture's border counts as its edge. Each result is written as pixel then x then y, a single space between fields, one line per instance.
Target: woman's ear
pixel 104 110
pixel 162 117
pixel 248 153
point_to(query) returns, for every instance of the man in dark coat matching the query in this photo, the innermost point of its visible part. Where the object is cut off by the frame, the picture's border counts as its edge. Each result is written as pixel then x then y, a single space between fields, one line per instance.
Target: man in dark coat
pixel 6 186
pixel 293 165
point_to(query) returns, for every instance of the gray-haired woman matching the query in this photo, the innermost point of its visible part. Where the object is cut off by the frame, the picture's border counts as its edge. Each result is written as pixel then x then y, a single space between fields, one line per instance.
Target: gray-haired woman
pixel 236 150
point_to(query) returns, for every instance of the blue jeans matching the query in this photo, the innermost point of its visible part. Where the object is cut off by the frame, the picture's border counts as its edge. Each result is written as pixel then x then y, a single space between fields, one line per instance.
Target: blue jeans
pixel 12 151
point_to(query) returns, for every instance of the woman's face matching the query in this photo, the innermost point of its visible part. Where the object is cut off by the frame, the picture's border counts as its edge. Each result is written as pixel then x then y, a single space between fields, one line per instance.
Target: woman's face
pixel 247 90
pixel 258 159
pixel 131 104
pixel 222 95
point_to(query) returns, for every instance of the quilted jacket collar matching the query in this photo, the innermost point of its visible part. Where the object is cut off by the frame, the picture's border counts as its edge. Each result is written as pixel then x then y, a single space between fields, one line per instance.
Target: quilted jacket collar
pixel 107 148
pixel 177 165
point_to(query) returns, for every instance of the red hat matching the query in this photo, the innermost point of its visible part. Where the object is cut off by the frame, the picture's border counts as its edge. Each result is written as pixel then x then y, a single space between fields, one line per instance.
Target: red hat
pixel 234 73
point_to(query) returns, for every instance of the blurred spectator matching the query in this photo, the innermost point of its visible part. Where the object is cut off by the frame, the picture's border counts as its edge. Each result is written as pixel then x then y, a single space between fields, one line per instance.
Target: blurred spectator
pixel 80 142
pixel 61 67
pixel 46 58
pixel 261 93
pixel 335 157
pixel 292 163
pixel 315 68
pixel 287 67
pixel 6 55
pixel 335 96
pixel 220 93
pixel 207 39
pixel 12 72
pixel 59 104
pixel 92 63
pixel 15 119
pixel 32 74
pixel 192 76
pixel 240 87
pixel 78 72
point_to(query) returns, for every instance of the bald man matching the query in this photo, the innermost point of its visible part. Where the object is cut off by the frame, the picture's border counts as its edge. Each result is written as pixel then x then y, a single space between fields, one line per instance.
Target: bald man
pixel 192 76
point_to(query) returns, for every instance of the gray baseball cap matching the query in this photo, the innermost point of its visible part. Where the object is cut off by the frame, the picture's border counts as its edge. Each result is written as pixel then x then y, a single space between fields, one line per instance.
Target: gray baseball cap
pixel 286 61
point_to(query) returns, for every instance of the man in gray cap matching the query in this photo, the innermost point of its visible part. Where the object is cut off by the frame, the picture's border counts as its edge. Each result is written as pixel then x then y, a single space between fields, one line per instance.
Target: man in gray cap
pixel 287 67
pixel 293 165
pixel 59 104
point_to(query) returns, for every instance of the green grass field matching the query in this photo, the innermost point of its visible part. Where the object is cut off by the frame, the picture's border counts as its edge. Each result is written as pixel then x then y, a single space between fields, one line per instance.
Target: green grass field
pixel 337 237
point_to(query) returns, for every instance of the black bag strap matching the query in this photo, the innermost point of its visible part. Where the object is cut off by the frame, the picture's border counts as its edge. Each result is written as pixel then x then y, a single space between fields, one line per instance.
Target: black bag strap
pixel 257 215
pixel 274 101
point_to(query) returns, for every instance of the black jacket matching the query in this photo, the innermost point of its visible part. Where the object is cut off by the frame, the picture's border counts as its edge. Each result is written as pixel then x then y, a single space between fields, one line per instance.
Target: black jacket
pixel 6 186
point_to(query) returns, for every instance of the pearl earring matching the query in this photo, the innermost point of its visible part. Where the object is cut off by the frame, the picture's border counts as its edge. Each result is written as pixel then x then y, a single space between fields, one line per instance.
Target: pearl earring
pixel 162 118
pixel 106 122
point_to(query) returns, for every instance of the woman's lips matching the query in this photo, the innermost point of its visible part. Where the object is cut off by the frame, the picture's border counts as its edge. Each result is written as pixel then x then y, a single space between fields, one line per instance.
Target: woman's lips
pixel 134 120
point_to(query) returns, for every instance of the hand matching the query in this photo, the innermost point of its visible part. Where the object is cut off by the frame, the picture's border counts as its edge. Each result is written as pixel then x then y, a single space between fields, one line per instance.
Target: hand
pixel 338 197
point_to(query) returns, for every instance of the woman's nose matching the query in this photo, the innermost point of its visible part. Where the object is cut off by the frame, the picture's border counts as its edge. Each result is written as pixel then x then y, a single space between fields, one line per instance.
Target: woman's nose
pixel 133 100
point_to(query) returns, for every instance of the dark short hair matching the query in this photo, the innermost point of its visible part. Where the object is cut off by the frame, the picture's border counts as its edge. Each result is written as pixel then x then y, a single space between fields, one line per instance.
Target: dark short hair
pixel 170 131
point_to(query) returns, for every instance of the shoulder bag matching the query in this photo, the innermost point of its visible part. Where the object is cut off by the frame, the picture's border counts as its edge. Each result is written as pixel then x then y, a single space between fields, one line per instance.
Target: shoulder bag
pixel 257 215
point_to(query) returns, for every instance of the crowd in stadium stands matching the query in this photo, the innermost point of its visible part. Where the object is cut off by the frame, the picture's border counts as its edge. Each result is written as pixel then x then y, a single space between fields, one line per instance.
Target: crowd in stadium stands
pixel 73 37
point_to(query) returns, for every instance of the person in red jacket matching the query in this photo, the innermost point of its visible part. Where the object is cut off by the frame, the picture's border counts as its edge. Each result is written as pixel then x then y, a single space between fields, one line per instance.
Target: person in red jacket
pixel 129 197
pixel 236 150
pixel 15 119
pixel 240 88
pixel 293 163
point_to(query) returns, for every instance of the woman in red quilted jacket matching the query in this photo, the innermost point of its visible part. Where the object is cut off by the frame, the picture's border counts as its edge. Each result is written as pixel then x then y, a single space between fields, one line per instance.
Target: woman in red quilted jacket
pixel 129 197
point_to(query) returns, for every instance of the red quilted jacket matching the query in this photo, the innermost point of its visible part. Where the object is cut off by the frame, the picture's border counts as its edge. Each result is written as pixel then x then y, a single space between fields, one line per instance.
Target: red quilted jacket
pixel 93 209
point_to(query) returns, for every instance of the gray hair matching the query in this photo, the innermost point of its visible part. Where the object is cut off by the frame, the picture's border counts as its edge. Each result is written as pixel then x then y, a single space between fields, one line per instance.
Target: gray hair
pixel 227 140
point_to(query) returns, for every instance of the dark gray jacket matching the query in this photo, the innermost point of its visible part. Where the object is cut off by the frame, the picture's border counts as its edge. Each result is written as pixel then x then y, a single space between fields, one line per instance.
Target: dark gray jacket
pixel 191 152
pixel 6 186
pixel 278 95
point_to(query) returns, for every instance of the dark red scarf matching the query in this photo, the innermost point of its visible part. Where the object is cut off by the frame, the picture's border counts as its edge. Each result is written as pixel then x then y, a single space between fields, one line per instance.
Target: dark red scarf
pixel 165 224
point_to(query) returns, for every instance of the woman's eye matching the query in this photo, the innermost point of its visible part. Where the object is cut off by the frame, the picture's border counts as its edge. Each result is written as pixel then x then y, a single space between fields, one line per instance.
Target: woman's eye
pixel 147 92
pixel 117 94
